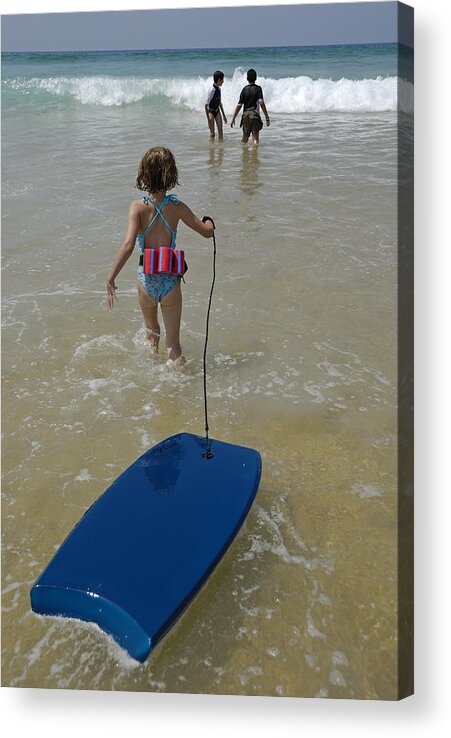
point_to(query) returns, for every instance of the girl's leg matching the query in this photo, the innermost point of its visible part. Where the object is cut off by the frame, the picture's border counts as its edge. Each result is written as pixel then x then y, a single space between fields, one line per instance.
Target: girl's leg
pixel 150 315
pixel 219 124
pixel 171 307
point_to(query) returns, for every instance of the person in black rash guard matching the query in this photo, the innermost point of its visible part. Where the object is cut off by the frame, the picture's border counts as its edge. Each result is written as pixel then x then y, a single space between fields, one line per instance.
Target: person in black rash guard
pixel 213 106
pixel 252 99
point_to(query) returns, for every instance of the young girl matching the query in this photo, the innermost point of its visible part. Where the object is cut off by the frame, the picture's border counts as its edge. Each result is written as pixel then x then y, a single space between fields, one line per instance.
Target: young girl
pixel 152 222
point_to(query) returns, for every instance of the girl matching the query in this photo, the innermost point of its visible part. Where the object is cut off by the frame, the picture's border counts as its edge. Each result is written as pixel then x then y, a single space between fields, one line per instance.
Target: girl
pixel 152 222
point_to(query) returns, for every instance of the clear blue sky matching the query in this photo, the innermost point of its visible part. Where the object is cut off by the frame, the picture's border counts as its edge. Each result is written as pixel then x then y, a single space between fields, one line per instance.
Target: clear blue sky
pixel 277 25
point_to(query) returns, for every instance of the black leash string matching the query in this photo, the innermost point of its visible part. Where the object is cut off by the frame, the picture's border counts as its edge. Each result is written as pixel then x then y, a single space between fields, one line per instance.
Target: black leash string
pixel 207 453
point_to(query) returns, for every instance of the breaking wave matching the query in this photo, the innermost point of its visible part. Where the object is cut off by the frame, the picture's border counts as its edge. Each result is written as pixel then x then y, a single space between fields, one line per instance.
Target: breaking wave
pixel 286 95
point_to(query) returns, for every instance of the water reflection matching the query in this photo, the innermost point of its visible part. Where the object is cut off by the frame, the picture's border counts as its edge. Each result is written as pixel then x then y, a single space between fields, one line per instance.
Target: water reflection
pixel 162 466
pixel 215 159
pixel 249 181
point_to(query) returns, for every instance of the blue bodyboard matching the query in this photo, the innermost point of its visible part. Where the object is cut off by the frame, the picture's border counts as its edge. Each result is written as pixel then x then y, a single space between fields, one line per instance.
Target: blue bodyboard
pixel 143 550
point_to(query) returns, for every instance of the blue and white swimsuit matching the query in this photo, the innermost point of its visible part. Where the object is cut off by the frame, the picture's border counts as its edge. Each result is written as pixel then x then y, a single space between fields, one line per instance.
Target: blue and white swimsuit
pixel 157 286
pixel 214 100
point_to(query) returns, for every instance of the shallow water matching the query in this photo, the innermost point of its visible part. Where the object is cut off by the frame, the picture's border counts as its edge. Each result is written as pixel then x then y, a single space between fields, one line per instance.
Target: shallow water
pixel 301 366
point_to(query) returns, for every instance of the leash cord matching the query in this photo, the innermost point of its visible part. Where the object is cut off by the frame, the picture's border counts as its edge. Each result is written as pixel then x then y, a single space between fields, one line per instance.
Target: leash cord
pixel 207 453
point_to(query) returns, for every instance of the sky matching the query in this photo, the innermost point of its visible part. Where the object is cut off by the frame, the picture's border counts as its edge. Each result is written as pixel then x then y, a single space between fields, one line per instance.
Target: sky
pixel 218 27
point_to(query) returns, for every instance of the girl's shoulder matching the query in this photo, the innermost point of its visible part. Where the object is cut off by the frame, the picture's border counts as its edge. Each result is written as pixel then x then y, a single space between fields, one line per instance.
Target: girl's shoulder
pixel 137 207
pixel 142 204
pixel 174 199
pixel 179 205
pixel 139 203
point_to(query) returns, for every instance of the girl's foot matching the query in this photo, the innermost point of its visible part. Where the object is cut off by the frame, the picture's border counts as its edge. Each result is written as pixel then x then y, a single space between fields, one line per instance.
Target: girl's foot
pixel 154 339
pixel 176 357
pixel 178 363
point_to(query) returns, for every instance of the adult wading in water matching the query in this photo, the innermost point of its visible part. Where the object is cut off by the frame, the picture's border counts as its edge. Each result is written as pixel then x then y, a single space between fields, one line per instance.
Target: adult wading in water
pixel 251 98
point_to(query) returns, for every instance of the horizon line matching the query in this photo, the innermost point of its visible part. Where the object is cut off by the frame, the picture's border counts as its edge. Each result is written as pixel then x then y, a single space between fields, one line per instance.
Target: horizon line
pixel 203 48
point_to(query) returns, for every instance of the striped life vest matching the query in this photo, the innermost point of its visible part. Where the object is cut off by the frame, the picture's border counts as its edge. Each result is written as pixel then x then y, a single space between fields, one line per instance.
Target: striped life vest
pixel 164 260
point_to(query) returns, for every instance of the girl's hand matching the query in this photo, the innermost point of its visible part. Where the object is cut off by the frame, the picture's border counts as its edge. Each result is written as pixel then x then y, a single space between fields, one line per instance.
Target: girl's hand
pixel 225 118
pixel 111 293
pixel 206 219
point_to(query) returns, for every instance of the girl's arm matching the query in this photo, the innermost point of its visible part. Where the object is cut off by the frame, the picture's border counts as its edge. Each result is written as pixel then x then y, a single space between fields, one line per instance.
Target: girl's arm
pixel 192 221
pixel 125 251
pixel 223 114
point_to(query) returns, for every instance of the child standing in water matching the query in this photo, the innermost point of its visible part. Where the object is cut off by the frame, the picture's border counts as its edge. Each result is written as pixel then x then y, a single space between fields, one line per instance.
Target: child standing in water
pixel 213 106
pixel 252 99
pixel 152 222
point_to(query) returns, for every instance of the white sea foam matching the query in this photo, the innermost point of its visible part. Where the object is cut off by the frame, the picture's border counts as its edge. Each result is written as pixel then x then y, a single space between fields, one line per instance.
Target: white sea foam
pixel 273 541
pixel 336 678
pixel 285 95
pixel 84 476
pixel 365 491
pixel 108 342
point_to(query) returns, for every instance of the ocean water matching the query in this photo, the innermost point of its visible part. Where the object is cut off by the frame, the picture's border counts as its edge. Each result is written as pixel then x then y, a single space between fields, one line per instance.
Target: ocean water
pixel 302 355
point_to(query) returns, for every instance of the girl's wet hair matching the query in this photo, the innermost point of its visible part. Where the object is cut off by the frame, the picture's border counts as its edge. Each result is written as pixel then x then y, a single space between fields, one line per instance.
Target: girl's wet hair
pixel 218 75
pixel 251 76
pixel 157 171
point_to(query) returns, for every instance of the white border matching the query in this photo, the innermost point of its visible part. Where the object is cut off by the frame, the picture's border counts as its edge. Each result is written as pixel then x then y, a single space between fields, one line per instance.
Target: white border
pixel 52 713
